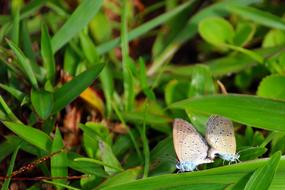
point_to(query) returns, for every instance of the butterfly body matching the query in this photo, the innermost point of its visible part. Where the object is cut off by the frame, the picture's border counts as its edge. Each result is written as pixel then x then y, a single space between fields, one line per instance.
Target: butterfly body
pixel 220 136
pixel 190 147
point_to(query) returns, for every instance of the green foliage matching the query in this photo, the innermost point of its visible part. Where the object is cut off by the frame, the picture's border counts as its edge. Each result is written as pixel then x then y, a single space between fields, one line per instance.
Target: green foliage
pixel 107 78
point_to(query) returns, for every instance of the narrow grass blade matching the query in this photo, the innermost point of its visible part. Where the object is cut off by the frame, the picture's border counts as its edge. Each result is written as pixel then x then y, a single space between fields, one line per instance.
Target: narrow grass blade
pixel 24 63
pixel 58 163
pixel 72 89
pixel 77 21
pixel 10 169
pixel 258 16
pixel 8 111
pixel 47 54
pixel 262 178
pixel 129 94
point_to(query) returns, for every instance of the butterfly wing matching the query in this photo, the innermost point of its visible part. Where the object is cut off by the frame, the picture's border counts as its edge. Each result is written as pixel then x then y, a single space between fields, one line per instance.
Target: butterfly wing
pixel 220 134
pixel 188 143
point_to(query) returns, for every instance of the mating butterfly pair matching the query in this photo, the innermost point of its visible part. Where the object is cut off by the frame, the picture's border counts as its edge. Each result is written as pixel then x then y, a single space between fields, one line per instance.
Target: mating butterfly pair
pixel 191 148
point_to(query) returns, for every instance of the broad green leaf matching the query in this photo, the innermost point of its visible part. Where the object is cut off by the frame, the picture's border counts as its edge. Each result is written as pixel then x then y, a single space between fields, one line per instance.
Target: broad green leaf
pixel 32 135
pixel 272 87
pixel 217 31
pixel 258 16
pixel 274 38
pixel 10 169
pixel 77 21
pixel 24 63
pixel 249 110
pixel 58 162
pixel 42 102
pixel 244 33
pixel 47 54
pixel 262 178
pixel 72 89
pixel 224 175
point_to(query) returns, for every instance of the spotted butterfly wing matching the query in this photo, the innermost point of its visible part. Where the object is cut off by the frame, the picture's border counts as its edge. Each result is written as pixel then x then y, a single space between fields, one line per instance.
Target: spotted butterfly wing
pixel 189 144
pixel 220 136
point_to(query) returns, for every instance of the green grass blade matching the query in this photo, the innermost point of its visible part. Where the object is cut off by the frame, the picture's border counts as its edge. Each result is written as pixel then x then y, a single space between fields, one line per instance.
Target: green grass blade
pixel 60 185
pixel 77 21
pixel 24 63
pixel 250 110
pixel 222 175
pixel 129 94
pixel 58 162
pixel 262 178
pixel 13 91
pixel 16 27
pixel 72 89
pixel 120 178
pixel 258 16
pixel 6 183
pixel 47 54
pixel 144 28
pixel 91 160
pixel 8 111
pixel 42 102
pixel 32 135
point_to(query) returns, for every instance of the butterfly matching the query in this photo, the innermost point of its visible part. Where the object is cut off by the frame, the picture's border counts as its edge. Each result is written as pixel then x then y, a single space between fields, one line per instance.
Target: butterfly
pixel 220 136
pixel 189 145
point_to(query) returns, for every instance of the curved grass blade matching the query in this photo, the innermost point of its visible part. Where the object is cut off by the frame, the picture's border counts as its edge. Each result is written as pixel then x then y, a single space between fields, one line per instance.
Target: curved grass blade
pixel 258 16
pixel 222 175
pixel 262 178
pixel 47 54
pixel 77 21
pixel 30 134
pixel 72 89
pixel 10 169
pixel 24 63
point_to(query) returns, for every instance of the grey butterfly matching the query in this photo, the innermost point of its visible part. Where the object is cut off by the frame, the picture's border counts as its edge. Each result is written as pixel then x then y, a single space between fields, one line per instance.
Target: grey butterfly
pixel 220 136
pixel 189 145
